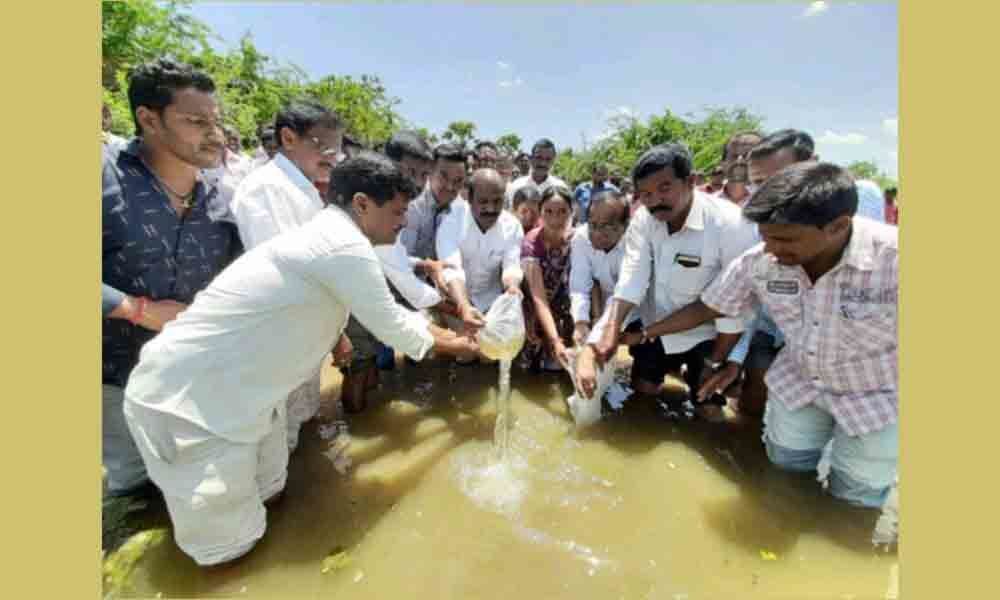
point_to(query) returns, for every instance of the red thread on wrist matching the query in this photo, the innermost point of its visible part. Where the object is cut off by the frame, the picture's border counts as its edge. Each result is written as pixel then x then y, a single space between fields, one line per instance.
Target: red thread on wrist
pixel 139 311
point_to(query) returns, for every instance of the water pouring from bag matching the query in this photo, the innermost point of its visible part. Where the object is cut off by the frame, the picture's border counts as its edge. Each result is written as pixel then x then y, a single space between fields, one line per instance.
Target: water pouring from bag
pixel 501 339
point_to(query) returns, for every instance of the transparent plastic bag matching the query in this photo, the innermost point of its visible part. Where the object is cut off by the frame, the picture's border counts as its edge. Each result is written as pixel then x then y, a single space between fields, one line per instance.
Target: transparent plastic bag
pixel 503 335
pixel 587 411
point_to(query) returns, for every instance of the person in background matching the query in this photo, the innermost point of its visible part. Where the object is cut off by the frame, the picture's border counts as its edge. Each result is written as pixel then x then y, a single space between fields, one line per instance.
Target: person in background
pixel 234 142
pixel 523 163
pixel 543 154
pixel 486 155
pixel 598 183
pixel 738 146
pixel 160 244
pixel 735 188
pixel 267 149
pixel 891 208
pixel 206 403
pixel 596 254
pixel 715 181
pixel 505 166
pixel 527 207
pixel 545 259
pixel 281 196
pixel 830 279
pixel 232 170
pixel 111 142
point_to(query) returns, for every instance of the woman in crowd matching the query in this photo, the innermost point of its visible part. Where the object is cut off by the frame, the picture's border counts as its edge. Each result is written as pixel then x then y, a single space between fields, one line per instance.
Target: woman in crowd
pixel 545 259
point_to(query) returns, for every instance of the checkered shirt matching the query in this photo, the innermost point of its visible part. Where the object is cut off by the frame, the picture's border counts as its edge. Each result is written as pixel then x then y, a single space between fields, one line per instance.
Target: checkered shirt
pixel 840 351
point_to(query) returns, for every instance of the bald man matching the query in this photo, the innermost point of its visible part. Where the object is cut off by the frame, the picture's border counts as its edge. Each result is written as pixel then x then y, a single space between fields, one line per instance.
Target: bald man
pixel 482 243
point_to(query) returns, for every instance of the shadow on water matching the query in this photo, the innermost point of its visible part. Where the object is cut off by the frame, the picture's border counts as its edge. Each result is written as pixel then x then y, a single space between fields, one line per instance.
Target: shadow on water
pixel 393 445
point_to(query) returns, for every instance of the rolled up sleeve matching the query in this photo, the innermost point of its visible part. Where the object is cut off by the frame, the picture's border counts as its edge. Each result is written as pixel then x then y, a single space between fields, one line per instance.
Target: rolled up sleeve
pixel 111 298
pixel 637 263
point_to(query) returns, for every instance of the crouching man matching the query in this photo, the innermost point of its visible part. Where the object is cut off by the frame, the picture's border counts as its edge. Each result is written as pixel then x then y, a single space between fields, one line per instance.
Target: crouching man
pixel 829 281
pixel 206 402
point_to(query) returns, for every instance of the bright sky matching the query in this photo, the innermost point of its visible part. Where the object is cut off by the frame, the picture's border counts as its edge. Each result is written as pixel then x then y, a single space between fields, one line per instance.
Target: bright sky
pixel 560 70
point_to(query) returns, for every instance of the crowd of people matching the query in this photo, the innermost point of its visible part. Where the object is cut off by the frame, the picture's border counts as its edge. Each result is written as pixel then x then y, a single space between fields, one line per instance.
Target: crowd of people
pixel 228 279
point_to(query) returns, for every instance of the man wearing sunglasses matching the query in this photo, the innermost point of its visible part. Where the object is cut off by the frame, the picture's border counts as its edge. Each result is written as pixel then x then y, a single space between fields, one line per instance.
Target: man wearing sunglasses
pixel 280 196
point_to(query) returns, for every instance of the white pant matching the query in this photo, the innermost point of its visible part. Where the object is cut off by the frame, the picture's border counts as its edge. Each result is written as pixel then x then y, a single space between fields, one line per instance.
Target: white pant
pixel 214 488
pixel 302 404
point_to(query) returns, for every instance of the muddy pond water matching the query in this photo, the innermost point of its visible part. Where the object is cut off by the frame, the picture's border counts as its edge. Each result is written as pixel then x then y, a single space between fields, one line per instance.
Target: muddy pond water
pixel 416 505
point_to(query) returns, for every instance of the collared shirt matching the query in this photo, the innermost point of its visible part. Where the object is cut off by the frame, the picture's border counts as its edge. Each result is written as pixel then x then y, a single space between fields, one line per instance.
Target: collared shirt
pixel 526 180
pixel 258 331
pixel 584 192
pixel 148 250
pixel 483 259
pixel 840 333
pixel 871 203
pixel 423 217
pixel 669 271
pixel 273 199
pixel 588 264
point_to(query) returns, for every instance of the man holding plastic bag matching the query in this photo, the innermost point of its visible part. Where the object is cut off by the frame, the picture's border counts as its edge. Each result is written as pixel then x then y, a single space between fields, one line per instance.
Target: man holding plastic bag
pixel 482 244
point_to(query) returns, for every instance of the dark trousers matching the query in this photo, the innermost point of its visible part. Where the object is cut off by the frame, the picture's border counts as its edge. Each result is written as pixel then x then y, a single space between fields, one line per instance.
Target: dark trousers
pixel 651 364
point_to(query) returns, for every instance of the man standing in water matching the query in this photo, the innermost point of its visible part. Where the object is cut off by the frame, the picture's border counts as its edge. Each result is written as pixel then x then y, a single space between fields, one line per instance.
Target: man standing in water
pixel 830 280
pixel 674 247
pixel 280 196
pixel 161 240
pixel 206 403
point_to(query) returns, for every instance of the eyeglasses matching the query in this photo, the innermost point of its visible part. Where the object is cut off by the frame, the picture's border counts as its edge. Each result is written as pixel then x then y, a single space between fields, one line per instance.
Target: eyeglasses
pixel 324 149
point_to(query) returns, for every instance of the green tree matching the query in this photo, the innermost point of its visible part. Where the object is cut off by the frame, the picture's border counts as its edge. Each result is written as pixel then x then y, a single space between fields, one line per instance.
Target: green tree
pixel 460 132
pixel 509 143
pixel 135 31
pixel 429 137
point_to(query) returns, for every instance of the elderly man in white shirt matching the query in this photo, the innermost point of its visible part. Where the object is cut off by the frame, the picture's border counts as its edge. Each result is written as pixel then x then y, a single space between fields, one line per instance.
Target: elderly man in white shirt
pixel 280 196
pixel 676 244
pixel 482 244
pixel 543 154
pixel 596 254
pixel 206 403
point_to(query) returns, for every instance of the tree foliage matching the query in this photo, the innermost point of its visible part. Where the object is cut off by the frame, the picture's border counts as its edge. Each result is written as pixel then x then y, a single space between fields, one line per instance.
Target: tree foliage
pixel 460 132
pixel 251 86
pixel 509 143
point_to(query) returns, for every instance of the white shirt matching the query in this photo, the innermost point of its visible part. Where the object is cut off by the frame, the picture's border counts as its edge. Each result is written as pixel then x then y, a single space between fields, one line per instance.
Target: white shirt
pixel 588 264
pixel 526 180
pixel 228 362
pixel 273 199
pixel 398 268
pixel 227 177
pixel 481 259
pixel 713 235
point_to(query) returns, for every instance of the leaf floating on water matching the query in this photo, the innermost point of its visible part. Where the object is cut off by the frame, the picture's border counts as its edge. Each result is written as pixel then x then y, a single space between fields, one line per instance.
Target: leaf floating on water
pixel 767 555
pixel 338 559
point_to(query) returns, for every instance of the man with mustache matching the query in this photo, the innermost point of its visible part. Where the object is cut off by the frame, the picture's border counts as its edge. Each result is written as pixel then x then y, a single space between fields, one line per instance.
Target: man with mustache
pixel 161 243
pixel 206 403
pixel 280 196
pixel 482 244
pixel 543 154
pixel 676 244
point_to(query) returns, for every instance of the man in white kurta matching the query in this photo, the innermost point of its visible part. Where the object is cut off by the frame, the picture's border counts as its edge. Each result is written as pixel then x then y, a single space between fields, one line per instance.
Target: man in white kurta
pixel 206 403
pixel 280 196
pixel 482 244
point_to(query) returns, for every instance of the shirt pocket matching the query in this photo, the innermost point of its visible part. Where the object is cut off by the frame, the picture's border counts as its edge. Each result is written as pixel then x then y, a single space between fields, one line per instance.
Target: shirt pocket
pixel 865 330
pixel 685 284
